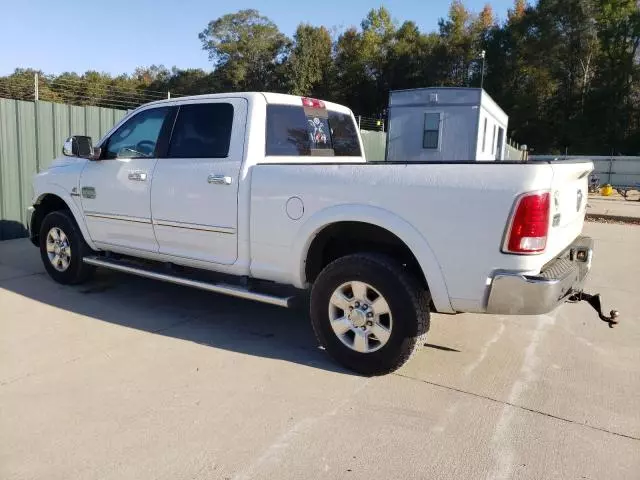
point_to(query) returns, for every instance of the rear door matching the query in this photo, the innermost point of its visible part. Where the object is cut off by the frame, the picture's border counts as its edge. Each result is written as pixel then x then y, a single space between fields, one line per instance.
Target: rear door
pixel 194 195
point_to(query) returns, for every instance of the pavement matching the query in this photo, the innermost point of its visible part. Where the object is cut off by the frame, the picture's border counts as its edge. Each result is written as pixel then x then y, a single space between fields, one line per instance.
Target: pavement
pixel 614 208
pixel 127 378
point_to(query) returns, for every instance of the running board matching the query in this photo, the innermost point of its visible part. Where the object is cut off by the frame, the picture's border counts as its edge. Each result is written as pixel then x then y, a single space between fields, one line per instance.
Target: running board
pixel 230 290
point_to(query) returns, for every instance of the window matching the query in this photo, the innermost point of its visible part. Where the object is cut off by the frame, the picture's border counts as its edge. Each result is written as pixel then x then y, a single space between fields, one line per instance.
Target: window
pixel 500 143
pixel 484 137
pixel 431 135
pixel 298 131
pixel 291 131
pixel 138 136
pixel 344 135
pixel 493 141
pixel 202 130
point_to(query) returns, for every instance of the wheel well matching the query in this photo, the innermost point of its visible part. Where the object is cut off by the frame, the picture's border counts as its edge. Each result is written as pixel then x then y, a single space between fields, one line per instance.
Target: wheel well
pixel 45 205
pixel 344 238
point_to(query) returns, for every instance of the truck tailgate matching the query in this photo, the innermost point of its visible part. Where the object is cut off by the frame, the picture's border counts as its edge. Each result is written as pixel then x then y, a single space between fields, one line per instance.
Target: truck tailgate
pixel 569 195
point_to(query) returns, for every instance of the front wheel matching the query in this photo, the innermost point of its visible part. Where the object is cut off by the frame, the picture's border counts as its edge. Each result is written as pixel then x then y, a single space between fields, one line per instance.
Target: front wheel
pixel 62 248
pixel 369 313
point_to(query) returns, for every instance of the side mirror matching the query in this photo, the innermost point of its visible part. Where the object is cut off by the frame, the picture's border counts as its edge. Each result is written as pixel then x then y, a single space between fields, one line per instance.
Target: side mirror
pixel 80 146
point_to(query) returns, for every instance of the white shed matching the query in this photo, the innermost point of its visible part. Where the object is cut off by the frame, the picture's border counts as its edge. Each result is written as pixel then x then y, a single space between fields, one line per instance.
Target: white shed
pixel 444 124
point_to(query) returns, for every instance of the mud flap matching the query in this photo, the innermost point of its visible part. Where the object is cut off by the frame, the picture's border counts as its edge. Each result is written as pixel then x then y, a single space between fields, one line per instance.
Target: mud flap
pixel 594 301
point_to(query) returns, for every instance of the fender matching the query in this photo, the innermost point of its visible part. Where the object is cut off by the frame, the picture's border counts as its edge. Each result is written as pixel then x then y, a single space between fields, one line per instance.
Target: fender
pixel 381 218
pixel 55 189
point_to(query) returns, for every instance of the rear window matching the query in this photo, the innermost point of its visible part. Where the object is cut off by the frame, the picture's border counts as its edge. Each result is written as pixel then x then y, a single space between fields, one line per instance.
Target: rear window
pixel 298 131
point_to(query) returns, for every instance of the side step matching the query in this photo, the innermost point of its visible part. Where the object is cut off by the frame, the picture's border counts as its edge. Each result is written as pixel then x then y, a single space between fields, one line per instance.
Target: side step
pixel 224 289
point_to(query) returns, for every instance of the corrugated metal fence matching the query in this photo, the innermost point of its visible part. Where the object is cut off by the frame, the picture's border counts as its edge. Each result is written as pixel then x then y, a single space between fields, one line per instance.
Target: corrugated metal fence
pixel 31 136
pixel 375 144
pixel 616 171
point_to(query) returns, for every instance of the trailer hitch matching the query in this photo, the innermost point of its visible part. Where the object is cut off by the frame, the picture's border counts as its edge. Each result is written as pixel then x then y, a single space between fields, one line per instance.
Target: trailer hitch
pixel 594 301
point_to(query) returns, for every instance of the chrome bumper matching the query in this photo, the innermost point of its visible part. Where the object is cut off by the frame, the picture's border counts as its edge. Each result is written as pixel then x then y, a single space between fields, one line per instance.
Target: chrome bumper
pixel 516 294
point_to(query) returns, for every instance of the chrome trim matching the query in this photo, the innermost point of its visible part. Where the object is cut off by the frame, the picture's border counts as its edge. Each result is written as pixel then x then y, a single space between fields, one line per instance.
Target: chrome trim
pixel 123 218
pixel 223 289
pixel 137 176
pixel 194 226
pixel 513 293
pixel 219 179
pixel 88 192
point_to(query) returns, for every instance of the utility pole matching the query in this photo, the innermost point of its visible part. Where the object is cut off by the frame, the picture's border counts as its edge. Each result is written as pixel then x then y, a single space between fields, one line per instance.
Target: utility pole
pixel 36 93
pixel 483 55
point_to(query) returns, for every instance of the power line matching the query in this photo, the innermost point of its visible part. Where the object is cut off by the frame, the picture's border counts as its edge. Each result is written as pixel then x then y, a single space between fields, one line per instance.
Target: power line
pixel 90 82
pixel 108 90
pixel 103 91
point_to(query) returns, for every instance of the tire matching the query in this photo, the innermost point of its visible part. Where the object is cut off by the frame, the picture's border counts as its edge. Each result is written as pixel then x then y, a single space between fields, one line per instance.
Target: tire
pixel 406 300
pixel 66 228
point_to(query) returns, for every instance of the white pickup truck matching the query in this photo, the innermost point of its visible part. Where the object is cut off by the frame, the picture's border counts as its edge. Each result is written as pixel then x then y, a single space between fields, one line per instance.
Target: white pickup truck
pixel 270 191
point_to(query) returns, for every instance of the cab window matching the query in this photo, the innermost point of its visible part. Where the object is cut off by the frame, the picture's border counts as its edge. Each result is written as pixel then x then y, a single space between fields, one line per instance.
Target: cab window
pixel 138 136
pixel 202 130
pixel 298 131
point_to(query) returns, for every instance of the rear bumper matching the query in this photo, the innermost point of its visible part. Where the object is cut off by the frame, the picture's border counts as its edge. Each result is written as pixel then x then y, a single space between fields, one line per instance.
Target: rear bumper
pixel 516 294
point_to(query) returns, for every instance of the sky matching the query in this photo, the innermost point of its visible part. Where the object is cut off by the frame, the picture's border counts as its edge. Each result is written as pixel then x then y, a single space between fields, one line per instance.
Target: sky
pixel 116 36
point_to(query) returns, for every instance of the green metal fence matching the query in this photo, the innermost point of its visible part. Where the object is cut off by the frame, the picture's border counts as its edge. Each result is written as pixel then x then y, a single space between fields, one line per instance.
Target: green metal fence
pixel 32 134
pixel 375 144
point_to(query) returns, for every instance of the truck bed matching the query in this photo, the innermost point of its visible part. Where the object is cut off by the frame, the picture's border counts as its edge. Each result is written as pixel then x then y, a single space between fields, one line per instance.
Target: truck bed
pixel 459 209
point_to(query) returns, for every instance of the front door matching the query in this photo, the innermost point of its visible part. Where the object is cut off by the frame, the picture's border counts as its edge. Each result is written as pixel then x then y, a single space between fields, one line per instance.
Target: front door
pixel 116 190
pixel 194 197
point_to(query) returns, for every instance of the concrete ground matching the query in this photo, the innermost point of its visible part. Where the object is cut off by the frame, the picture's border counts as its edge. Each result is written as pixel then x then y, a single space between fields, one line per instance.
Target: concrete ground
pixel 614 206
pixel 130 378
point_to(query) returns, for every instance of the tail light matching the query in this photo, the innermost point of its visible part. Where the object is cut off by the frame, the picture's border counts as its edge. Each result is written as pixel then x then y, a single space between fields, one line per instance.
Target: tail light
pixel 312 102
pixel 529 225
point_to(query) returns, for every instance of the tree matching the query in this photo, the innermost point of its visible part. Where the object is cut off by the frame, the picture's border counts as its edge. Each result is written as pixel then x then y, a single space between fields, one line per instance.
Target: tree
pixel 247 48
pixel 615 100
pixel 519 9
pixel 310 64
pixel 21 85
pixel 456 49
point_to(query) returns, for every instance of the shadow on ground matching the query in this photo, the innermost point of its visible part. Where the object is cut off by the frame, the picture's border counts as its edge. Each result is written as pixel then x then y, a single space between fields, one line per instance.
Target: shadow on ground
pixel 10 229
pixel 180 312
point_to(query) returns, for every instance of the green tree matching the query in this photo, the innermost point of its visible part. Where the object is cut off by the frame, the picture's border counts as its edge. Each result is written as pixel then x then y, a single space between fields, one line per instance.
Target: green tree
pixel 247 48
pixel 617 81
pixel 309 67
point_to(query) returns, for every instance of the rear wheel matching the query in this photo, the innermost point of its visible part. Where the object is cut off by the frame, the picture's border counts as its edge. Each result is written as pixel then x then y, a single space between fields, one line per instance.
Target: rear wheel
pixel 62 248
pixel 369 313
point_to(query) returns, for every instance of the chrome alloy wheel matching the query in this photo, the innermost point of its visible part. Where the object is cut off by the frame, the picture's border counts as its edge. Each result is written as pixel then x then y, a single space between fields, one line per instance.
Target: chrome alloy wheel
pixel 360 317
pixel 58 249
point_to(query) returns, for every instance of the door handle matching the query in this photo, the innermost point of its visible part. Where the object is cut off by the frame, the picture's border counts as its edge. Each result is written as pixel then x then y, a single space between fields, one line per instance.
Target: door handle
pixel 138 176
pixel 219 179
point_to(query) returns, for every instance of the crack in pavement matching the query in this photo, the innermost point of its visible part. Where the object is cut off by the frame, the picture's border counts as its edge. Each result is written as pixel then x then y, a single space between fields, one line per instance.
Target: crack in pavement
pixel 520 407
